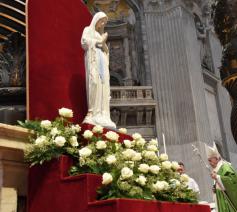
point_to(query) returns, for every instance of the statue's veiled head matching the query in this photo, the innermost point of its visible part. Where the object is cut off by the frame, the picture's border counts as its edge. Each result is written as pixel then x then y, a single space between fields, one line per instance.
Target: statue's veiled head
pixel 99 21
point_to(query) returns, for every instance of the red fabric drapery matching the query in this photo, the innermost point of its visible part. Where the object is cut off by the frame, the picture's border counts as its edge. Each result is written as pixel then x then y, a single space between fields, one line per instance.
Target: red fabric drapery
pixel 56 73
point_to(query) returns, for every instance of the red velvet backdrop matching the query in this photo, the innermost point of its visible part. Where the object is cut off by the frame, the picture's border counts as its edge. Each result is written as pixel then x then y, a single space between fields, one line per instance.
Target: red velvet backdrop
pixel 56 59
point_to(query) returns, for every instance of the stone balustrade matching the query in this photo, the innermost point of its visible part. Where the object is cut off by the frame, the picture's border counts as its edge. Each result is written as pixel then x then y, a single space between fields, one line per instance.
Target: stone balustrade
pixel 134 107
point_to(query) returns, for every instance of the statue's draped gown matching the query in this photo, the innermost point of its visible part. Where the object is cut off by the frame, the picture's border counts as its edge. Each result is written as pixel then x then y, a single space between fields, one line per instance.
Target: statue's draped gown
pixel 97 76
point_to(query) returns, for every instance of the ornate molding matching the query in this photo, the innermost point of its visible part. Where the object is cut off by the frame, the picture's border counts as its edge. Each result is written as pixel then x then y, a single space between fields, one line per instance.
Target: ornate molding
pixel 132 105
pixel 162 5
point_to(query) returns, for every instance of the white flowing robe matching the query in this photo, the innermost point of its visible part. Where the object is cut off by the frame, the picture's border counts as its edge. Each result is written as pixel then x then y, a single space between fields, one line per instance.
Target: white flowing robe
pixel 97 76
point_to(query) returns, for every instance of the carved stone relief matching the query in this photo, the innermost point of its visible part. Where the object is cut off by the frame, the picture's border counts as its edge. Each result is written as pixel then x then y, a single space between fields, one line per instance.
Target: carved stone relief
pixel 161 5
pixel 205 51
pixel 117 57
pixel 12 61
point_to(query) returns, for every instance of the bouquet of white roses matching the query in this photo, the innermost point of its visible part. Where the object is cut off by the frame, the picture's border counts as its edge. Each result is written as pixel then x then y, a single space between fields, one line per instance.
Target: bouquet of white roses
pixel 52 138
pixel 132 169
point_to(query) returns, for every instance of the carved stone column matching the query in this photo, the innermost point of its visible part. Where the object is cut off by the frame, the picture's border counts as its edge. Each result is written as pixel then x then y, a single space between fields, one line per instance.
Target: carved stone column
pixel 177 82
pixel 128 80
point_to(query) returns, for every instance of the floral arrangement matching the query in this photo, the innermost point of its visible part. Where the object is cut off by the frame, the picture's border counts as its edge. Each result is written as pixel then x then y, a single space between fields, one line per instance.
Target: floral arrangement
pixel 132 169
pixel 51 139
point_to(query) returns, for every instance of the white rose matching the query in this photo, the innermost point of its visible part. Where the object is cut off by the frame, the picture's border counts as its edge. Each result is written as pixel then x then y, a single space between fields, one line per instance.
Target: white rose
pixel 137 156
pixel 133 142
pixel 154 169
pixel 158 186
pixel 46 124
pixel 153 142
pixel 126 173
pixel 136 136
pixel 111 159
pixel 150 155
pixel 127 143
pixel 164 157
pixel 85 152
pixel 140 142
pixel 82 161
pixel 107 178
pixel 100 145
pixel 40 140
pixel 87 134
pixel 176 182
pixel 128 153
pixel 97 129
pixel 166 185
pixel 152 148
pixel 175 165
pixel 184 178
pixel 144 168
pixel 55 131
pixel 64 112
pixel 166 164
pixel 141 180
pixel 76 128
pixel 122 130
pixel 59 141
pixel 113 136
pixel 73 141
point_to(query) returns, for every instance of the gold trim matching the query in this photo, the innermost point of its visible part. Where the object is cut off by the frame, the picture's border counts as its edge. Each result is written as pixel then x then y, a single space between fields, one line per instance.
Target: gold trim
pixel 7 27
pixel 27 62
pixel 21 2
pixel 3 37
pixel 233 63
pixel 229 79
pixel 13 19
pixel 12 8
pixel 10 29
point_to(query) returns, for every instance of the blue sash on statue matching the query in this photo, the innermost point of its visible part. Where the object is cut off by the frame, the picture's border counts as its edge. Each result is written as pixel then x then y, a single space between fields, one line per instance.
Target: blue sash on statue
pixel 101 64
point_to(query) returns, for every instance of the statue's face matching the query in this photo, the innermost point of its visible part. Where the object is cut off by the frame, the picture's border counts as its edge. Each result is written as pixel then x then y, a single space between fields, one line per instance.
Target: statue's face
pixel 101 23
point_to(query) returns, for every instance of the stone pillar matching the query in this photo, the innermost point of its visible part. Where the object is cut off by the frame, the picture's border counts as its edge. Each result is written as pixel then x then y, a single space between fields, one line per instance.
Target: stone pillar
pixel 128 79
pixel 178 84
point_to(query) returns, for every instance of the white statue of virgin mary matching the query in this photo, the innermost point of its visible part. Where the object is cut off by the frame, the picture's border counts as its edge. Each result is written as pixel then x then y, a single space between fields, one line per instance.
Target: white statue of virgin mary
pixel 93 42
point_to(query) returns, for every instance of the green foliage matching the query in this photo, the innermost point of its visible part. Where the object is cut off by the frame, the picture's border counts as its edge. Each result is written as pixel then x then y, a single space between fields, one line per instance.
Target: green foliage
pixel 51 139
pixel 31 125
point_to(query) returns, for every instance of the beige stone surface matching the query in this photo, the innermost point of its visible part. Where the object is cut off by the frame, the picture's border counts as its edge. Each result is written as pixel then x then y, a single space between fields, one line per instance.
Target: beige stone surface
pixel 13 136
pixel 13 169
pixel 8 200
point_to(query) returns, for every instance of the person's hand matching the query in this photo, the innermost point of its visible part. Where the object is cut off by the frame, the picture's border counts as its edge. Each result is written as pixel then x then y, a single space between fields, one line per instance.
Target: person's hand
pixel 214 175
pixel 214 189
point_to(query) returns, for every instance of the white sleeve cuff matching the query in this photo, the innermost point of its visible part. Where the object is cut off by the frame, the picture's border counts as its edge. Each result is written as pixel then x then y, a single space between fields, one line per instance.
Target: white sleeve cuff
pixel 219 182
